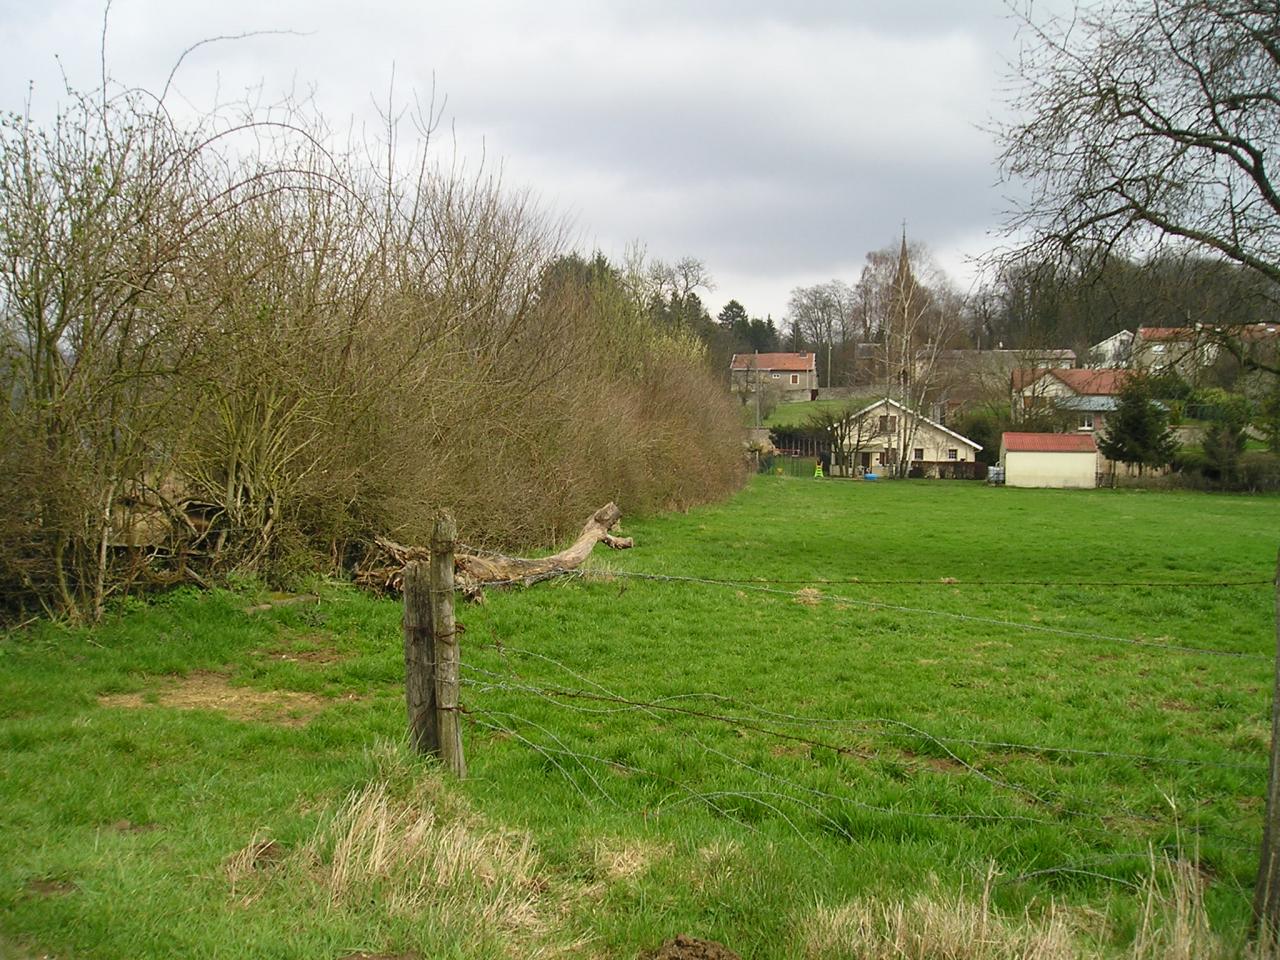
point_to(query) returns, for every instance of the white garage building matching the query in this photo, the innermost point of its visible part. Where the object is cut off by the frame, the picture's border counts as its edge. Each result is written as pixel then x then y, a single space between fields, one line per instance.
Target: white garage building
pixel 1049 459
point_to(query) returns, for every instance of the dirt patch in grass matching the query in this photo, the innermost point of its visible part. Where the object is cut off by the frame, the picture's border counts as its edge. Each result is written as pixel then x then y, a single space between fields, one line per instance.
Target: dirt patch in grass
pixel 941 764
pixel 681 947
pixel 128 826
pixel 205 690
pixel 46 887
pixel 790 749
pixel 308 657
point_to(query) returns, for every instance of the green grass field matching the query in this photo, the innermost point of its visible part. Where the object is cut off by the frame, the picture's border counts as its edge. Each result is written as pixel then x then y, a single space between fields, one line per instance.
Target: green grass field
pixel 796 414
pixel 771 718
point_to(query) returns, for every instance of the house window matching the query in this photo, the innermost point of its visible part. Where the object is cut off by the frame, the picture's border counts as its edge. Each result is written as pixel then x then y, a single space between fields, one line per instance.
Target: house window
pixel 889 424
pixel 919 453
pixel 795 378
pixel 776 376
pixel 953 453
pixel 1086 421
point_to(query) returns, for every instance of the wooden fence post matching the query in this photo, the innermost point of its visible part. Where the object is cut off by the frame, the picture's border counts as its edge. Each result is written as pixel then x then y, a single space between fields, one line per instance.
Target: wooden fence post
pixel 431 658
pixel 419 660
pixel 445 640
pixel 1266 891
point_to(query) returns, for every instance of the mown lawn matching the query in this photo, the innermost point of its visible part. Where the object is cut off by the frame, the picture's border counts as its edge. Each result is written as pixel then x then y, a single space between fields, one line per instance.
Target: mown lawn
pixel 816 695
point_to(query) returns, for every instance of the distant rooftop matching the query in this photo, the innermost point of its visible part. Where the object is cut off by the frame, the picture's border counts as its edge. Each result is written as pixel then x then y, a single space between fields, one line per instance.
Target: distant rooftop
pixel 789 362
pixel 1048 442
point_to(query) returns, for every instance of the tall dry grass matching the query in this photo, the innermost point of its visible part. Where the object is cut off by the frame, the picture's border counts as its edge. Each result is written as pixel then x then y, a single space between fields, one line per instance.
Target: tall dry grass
pixel 412 849
pixel 1173 925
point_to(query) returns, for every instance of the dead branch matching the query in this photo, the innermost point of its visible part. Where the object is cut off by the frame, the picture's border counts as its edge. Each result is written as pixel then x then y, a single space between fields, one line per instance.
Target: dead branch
pixel 383 566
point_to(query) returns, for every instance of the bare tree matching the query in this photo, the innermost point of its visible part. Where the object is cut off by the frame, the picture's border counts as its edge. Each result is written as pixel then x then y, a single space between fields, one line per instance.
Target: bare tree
pixel 844 431
pixel 916 316
pixel 1146 121
pixel 1150 121
pixel 825 314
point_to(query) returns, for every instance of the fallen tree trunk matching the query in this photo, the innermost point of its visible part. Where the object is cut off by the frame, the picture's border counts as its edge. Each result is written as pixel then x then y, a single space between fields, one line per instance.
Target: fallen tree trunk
pixel 383 570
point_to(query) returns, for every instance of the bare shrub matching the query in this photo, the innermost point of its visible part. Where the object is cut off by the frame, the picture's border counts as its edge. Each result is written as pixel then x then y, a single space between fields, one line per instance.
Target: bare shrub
pixel 270 349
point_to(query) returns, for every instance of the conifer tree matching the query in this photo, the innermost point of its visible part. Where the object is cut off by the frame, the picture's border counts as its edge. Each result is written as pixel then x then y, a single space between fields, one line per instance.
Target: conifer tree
pixel 1138 432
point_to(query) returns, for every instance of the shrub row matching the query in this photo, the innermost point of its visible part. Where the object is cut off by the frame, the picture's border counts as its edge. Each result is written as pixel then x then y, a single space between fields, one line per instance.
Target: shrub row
pixel 230 347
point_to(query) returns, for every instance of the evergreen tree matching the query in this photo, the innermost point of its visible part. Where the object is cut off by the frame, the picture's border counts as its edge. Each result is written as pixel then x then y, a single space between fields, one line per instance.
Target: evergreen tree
pixel 1138 432
pixel 1224 441
pixel 732 316
pixel 1268 419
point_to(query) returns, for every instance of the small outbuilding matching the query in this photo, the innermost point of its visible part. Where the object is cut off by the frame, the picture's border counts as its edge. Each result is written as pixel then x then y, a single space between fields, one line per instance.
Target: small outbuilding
pixel 1049 459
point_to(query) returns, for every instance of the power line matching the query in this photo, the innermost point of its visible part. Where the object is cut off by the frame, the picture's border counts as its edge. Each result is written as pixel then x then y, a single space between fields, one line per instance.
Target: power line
pixel 792 719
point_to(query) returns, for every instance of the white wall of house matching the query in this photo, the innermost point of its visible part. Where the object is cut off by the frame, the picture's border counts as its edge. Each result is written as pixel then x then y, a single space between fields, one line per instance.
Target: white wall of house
pixel 1035 469
pixel 886 427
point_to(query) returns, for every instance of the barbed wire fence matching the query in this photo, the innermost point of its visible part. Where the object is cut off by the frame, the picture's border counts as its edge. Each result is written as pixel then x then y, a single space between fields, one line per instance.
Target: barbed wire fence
pixel 551 717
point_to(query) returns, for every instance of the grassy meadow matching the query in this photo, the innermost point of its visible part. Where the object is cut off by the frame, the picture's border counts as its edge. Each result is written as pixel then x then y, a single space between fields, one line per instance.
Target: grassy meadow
pixel 824 719
pixel 796 414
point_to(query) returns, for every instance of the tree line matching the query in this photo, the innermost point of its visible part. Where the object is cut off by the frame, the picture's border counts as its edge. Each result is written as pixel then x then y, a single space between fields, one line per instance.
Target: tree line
pixel 236 344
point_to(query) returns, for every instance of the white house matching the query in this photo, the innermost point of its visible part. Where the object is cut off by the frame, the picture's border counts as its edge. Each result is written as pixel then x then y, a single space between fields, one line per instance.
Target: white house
pixel 885 433
pixel 1112 353
pixel 1049 459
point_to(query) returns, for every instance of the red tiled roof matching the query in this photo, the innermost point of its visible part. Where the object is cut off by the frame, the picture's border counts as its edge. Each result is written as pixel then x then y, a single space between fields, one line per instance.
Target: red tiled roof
pixel 1093 383
pixel 1252 332
pixel 1023 378
pixel 1088 383
pixel 1166 333
pixel 774 361
pixel 1048 442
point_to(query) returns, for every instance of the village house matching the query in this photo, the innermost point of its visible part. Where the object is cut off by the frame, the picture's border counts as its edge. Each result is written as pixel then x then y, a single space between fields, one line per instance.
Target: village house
pixel 1184 350
pixel 1114 352
pixel 884 434
pixel 965 378
pixel 1085 397
pixel 793 375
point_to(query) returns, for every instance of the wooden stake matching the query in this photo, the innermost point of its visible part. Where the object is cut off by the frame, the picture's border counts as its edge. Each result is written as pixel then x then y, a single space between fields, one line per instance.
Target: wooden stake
pixel 419 660
pixel 445 639
pixel 1266 892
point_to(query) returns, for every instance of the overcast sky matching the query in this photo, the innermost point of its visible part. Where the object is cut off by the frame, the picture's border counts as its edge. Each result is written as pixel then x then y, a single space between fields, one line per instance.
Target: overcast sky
pixel 778 142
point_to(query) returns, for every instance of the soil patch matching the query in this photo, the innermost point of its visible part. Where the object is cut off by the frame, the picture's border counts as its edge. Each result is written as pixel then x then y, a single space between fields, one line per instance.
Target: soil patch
pixel 941 764
pixel 309 657
pixel 128 826
pixel 211 691
pixel 45 887
pixel 682 947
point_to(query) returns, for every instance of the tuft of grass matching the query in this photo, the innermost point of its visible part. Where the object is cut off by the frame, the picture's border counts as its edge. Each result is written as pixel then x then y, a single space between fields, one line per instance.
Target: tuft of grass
pixel 928 927
pixel 1174 925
